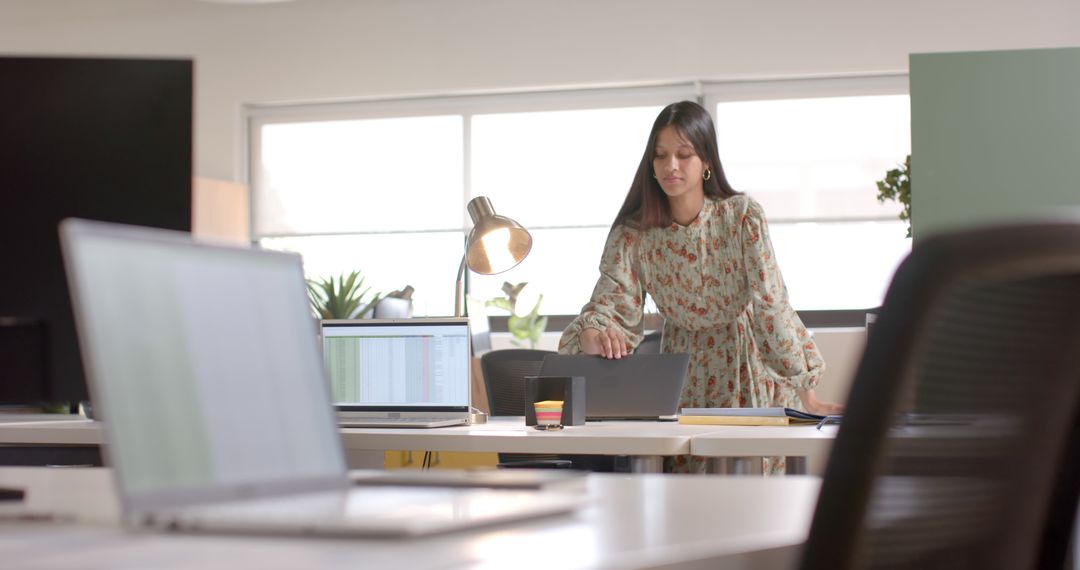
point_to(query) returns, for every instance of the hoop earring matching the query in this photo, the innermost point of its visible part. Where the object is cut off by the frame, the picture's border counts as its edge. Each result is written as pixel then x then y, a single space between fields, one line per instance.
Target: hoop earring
pixel 707 175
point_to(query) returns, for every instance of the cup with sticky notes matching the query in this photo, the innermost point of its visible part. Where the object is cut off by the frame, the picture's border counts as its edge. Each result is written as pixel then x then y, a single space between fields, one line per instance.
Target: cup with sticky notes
pixel 564 394
pixel 549 414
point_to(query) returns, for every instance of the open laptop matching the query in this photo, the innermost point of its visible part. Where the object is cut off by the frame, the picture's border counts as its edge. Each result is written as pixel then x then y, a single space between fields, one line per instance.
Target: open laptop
pixel 634 387
pixel 398 372
pixel 203 362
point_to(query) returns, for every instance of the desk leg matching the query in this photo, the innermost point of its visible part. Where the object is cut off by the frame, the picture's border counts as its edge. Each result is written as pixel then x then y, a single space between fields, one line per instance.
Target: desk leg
pixel 646 464
pixel 734 465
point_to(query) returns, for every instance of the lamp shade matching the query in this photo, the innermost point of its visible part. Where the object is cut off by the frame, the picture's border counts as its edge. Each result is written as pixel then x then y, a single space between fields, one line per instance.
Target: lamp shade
pixel 496 243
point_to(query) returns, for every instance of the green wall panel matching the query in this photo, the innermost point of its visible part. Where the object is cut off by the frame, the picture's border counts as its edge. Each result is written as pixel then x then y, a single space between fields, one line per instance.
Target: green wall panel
pixel 994 136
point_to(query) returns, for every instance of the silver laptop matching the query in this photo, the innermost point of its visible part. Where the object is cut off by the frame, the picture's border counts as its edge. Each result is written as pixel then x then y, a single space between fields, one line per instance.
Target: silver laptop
pixel 398 372
pixel 203 362
pixel 634 387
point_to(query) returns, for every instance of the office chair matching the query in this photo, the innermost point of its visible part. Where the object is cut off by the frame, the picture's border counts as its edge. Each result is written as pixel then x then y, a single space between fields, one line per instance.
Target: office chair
pixel 650 344
pixel 504 379
pixel 958 446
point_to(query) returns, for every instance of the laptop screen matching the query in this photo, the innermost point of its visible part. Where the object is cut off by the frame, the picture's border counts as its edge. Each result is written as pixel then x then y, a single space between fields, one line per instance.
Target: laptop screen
pixel 203 361
pixel 398 365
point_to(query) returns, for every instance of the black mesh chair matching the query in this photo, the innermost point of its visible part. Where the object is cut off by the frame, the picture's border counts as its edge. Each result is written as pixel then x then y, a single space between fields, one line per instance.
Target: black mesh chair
pixel 504 378
pixel 959 445
pixel 650 343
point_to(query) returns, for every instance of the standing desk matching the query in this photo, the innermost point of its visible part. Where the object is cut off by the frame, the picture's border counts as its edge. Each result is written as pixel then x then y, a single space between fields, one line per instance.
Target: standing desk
pixel 66 431
pixel 48 439
pixel 630 522
pixel 735 449
pixel 646 443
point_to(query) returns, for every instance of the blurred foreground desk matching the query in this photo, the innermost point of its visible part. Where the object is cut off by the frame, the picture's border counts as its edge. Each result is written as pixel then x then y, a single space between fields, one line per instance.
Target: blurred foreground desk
pixel 632 521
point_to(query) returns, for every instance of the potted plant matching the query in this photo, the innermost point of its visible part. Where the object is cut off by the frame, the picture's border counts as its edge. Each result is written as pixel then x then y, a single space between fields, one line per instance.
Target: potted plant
pixel 341 298
pixel 897 186
pixel 525 323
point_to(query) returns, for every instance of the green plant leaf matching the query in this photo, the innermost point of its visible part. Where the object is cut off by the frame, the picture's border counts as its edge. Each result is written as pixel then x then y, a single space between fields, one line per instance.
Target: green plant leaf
pixel 528 328
pixel 500 303
pixel 340 298
pixel 897 186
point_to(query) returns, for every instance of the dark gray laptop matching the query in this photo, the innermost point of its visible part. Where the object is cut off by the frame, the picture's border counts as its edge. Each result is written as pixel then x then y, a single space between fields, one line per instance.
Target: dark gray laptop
pixel 634 387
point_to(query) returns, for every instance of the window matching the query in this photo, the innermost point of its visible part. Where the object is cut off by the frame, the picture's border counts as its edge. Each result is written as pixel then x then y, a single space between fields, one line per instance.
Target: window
pixel 563 175
pixel 379 195
pixel 341 177
pixel 381 187
pixel 812 163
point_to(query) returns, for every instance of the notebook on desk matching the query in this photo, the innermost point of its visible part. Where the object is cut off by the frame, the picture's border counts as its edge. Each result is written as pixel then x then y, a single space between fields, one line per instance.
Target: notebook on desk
pixel 407 373
pixel 204 365
pixel 770 416
pixel 634 387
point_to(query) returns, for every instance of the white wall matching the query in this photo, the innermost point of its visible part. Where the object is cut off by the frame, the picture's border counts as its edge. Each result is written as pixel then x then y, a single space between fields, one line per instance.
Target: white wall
pixel 333 49
pixel 312 50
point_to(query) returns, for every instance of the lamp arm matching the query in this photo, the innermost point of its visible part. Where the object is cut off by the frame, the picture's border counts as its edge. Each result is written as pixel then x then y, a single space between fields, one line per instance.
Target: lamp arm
pixel 459 289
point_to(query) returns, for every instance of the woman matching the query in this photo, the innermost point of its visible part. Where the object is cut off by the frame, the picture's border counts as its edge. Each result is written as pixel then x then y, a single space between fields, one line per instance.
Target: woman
pixel 702 251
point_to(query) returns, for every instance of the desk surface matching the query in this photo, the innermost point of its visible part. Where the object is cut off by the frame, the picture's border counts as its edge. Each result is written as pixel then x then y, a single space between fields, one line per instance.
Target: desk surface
pixel 510 435
pixel 632 521
pixel 737 441
pixel 65 431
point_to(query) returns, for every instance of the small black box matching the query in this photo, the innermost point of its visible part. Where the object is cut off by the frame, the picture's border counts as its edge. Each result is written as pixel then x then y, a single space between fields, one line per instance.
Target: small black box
pixel 569 389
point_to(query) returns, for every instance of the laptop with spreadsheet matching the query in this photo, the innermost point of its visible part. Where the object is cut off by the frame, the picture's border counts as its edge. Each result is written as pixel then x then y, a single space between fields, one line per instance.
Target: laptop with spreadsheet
pixel 398 372
pixel 204 365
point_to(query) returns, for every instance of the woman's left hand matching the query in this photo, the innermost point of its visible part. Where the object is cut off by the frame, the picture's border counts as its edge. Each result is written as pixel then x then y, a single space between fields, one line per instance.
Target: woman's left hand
pixel 813 405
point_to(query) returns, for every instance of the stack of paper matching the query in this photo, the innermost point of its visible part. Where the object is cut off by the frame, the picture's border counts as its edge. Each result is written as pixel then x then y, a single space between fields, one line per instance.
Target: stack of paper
pixel 746 416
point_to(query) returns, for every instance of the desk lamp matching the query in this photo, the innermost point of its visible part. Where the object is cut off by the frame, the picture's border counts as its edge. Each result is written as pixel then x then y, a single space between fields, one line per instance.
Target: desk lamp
pixel 496 244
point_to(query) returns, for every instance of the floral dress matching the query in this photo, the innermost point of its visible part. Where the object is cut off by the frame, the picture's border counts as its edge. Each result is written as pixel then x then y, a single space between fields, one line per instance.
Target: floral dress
pixel 719 289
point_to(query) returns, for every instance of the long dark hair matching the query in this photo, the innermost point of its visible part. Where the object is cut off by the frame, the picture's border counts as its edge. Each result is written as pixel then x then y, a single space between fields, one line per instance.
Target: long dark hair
pixel 646 204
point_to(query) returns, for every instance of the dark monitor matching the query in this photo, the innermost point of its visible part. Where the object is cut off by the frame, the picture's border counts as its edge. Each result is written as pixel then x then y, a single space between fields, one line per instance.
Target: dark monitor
pixel 104 139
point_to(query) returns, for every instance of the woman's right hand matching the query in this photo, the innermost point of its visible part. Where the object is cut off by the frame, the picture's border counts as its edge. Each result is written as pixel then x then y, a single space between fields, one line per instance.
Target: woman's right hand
pixel 609 344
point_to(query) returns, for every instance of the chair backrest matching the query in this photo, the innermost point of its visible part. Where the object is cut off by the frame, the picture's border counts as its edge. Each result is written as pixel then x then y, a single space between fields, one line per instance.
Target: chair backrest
pixel 650 344
pixel 961 425
pixel 504 377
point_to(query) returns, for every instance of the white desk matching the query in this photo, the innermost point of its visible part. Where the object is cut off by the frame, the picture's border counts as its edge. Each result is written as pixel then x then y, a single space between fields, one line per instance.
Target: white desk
pixel 52 432
pixel 645 442
pixel 633 521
